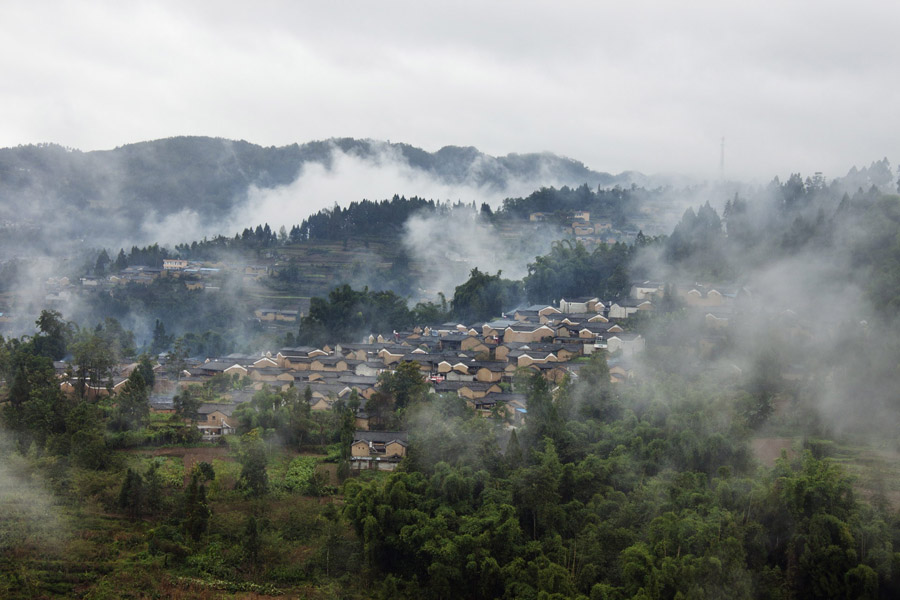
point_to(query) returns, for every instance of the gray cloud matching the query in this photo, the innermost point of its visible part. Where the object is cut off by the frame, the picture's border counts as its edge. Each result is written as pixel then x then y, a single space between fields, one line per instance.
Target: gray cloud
pixel 647 86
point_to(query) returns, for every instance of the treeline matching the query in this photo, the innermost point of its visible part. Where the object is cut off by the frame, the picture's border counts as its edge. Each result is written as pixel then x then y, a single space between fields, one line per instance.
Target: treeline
pixel 77 425
pixel 569 270
pixel 385 219
pixel 382 219
pixel 348 315
pixel 149 256
pixel 615 204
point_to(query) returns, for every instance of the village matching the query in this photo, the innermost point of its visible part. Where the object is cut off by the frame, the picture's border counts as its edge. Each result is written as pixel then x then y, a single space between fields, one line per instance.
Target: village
pixel 479 363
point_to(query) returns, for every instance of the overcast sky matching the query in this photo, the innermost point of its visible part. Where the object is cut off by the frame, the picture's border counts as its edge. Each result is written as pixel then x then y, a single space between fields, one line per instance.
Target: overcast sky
pixel 647 86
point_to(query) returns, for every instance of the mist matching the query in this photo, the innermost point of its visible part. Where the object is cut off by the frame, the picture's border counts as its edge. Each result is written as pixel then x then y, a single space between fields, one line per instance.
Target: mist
pixel 351 177
pixel 800 273
pixel 446 247
pixel 28 514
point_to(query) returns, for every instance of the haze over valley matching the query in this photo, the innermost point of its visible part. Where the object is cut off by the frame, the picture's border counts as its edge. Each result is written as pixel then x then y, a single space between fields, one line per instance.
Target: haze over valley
pixel 526 301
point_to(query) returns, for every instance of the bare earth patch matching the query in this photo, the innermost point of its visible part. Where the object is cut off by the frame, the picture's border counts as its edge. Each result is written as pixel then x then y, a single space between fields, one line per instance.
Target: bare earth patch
pixel 767 450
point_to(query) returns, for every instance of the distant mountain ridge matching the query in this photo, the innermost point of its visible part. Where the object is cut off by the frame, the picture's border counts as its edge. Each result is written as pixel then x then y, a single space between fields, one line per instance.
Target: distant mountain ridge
pixel 50 184
pixel 177 166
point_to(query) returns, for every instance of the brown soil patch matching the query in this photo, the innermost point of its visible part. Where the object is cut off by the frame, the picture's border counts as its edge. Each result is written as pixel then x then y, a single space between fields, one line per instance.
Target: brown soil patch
pixel 768 450
pixel 331 470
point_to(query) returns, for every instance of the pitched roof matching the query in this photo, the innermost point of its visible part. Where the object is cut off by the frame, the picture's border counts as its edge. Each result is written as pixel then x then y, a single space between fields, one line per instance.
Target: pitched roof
pixel 381 437
pixel 206 408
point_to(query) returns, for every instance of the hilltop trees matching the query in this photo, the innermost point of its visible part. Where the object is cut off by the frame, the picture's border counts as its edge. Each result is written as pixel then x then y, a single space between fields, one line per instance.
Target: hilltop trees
pixel 348 314
pixel 569 270
pixel 55 335
pixel 698 244
pixel 484 297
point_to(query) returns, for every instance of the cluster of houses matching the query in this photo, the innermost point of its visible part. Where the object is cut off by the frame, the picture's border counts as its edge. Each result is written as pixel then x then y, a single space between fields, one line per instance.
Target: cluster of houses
pixel 578 224
pixel 476 362
pixel 196 274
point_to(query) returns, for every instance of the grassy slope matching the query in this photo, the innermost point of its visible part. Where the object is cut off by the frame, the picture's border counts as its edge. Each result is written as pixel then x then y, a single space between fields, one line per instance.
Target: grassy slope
pixel 79 546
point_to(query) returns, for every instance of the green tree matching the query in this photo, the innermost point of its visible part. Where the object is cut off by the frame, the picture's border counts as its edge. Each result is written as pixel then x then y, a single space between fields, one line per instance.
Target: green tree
pixel 119 340
pixel 84 426
pixel 543 420
pixel 404 385
pixel 131 495
pixel 513 451
pixel 145 368
pixel 592 392
pixel 54 336
pixel 195 510
pixel 254 479
pixel 484 297
pixel 36 409
pixel 101 264
pixel 161 342
pixel 187 403
pixel 349 314
pixel 94 360
pixel 252 543
pixel 569 270
pixel 121 261
pixel 153 486
pixel 133 402
pixel 430 312
pixel 536 492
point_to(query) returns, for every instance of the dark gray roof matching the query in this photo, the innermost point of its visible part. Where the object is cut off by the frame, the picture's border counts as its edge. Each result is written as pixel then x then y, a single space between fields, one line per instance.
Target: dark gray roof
pixel 358 380
pixel 526 327
pixel 505 397
pixel 209 407
pixel 331 360
pixel 217 366
pixel 381 437
pixel 299 351
pixel 269 370
pixel 449 386
pixel 455 337
pixel 478 386
pixel 490 365
pixel 531 352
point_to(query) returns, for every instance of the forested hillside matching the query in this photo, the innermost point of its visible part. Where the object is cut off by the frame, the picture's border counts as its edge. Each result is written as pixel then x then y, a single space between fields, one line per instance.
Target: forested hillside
pixel 749 451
